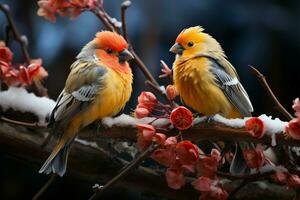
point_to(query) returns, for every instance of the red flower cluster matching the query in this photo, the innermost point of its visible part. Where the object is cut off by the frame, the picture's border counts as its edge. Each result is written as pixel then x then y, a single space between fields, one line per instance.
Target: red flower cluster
pixel 293 127
pixel 255 127
pixel 181 118
pixel 71 8
pixel 21 74
pixel 146 103
pixel 184 157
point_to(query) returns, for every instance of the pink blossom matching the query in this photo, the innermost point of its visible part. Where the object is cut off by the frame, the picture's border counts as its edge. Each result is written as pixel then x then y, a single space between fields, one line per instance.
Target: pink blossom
pixel 296 107
pixel 254 157
pixel 171 141
pixel 147 100
pixel 202 184
pixel 171 92
pixel 165 157
pixel 187 152
pixel 293 181
pixel 293 129
pixel 145 135
pixel 175 178
pixel 141 113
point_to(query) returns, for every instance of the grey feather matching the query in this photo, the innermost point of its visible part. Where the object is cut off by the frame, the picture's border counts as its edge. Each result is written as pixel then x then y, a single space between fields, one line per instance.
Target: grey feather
pixel 232 88
pixel 72 103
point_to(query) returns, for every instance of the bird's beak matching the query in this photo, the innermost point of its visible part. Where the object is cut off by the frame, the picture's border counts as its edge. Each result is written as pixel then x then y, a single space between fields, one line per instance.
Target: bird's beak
pixel 177 49
pixel 125 55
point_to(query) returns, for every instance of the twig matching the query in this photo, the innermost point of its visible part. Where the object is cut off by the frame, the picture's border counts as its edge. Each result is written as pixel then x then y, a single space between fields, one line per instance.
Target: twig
pixel 45 187
pixel 22 40
pixel 99 13
pixel 125 171
pixel 26 124
pixel 124 6
pixel 143 67
pixel 270 93
pixel 102 15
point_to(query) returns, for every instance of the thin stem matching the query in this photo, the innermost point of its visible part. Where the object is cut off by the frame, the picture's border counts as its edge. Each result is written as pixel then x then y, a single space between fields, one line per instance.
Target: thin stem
pixel 143 67
pixel 270 93
pixel 124 7
pixel 125 171
pixel 26 124
pixel 22 41
pixel 99 13
pixel 45 187
pixel 157 89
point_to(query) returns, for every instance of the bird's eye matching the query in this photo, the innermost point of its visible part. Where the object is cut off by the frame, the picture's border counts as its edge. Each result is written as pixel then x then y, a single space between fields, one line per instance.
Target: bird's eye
pixel 190 44
pixel 109 51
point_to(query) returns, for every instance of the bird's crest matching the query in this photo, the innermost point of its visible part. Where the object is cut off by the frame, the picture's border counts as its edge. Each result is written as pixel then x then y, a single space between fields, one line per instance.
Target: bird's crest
pixel 188 33
pixel 108 39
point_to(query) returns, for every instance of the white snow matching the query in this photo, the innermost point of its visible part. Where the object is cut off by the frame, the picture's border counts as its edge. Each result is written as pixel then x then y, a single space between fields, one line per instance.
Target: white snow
pixel 234 123
pixel 18 99
pixel 273 126
pixel 198 120
pixel 127 120
pixel 296 150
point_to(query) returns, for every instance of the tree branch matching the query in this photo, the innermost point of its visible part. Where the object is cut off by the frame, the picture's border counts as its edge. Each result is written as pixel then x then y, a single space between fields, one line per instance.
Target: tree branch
pixel 262 79
pixel 24 144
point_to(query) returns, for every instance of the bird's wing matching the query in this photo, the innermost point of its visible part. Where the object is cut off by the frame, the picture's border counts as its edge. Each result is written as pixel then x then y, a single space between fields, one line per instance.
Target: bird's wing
pixel 230 84
pixel 85 81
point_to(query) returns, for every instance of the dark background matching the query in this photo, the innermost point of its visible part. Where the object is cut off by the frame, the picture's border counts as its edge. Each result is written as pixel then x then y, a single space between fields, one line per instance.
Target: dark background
pixel 262 33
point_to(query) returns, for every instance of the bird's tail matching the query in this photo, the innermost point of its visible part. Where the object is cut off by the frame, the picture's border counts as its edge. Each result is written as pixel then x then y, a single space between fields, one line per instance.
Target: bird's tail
pixel 57 161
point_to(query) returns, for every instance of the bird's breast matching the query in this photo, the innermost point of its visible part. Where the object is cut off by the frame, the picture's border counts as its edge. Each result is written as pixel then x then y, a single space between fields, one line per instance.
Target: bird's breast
pixel 197 87
pixel 112 97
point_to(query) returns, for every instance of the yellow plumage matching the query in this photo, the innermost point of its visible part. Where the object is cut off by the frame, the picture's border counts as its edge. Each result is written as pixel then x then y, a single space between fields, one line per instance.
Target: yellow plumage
pixel 198 57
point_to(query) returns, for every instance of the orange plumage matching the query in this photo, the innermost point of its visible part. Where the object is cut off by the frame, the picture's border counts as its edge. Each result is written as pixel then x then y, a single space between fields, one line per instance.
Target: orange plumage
pixel 99 85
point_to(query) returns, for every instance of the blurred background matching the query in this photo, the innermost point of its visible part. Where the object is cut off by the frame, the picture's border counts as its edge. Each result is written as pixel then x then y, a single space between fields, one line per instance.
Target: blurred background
pixel 262 33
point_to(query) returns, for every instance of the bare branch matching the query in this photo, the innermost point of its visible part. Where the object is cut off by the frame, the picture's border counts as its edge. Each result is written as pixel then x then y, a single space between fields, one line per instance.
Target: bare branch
pixel 126 4
pixel 270 93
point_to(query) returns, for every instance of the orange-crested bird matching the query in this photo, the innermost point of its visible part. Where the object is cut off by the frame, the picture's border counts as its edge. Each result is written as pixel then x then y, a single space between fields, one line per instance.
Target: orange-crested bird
pixel 205 79
pixel 99 85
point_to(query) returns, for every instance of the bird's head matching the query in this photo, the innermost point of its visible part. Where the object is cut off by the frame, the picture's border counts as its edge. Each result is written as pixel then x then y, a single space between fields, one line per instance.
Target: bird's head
pixel 109 48
pixel 193 41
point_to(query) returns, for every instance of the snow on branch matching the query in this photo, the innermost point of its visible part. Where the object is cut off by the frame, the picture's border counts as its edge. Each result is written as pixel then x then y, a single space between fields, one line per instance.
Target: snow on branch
pixel 19 99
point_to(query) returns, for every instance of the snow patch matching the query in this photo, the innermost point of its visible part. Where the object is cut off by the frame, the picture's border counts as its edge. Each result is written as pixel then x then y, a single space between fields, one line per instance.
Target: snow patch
pixel 127 120
pixel 198 120
pixel 19 99
pixel 273 126
pixel 234 123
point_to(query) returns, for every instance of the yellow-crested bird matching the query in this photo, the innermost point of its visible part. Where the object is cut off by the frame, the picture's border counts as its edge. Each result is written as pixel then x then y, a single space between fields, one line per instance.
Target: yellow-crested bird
pixel 205 79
